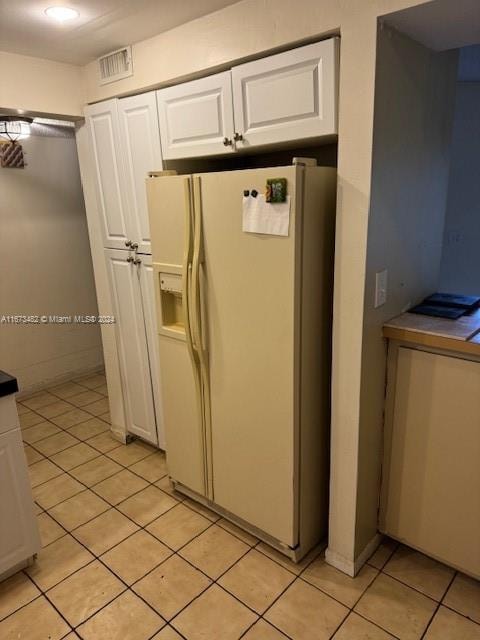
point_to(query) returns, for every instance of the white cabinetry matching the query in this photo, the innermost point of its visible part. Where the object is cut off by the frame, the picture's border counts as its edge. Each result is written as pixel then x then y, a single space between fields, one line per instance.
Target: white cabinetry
pixel 196 118
pixel 431 472
pixel 19 537
pixel 125 141
pixel 288 96
pixel 285 97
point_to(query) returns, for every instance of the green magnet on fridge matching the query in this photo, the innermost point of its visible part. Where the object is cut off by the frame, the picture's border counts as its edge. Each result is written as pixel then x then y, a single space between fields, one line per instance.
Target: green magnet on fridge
pixel 276 190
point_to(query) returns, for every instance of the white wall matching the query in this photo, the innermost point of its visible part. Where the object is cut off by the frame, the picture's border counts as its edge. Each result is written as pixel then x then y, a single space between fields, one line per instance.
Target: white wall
pixel 46 266
pixel 460 272
pixel 414 96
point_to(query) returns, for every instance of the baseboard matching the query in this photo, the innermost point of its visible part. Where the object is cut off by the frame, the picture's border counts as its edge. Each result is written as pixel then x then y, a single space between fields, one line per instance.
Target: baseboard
pixel 59 379
pixel 352 566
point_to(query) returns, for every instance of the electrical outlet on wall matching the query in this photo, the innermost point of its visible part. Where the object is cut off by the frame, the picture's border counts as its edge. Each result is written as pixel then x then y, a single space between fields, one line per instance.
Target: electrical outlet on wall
pixel 380 288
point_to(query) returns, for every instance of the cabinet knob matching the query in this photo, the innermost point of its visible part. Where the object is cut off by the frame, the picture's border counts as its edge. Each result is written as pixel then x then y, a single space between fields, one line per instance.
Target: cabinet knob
pixel 128 243
pixel 137 261
pixel 130 259
pixel 227 142
pixel 134 246
pixel 238 137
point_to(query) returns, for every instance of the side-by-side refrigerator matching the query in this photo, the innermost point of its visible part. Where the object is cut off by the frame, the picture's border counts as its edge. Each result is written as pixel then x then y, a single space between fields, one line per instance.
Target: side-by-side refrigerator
pixel 244 304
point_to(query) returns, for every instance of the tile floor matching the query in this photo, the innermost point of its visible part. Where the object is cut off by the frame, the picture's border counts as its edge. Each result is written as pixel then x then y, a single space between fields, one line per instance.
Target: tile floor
pixel 126 558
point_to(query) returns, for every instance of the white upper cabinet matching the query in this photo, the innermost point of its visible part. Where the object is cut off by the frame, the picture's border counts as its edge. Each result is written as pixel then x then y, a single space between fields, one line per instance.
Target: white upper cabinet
pixel 288 96
pixel 103 124
pixel 196 118
pixel 140 147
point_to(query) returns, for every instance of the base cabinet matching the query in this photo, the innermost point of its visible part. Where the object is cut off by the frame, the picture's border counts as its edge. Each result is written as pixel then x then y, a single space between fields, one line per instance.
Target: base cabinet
pixel 431 471
pixel 19 537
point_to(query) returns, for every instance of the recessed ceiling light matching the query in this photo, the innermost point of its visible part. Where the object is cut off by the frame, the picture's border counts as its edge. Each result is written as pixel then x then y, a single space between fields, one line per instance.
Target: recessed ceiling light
pixel 62 14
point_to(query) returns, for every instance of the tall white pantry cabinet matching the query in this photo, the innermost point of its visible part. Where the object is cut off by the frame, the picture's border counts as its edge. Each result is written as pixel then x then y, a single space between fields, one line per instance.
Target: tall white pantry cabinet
pixel 124 145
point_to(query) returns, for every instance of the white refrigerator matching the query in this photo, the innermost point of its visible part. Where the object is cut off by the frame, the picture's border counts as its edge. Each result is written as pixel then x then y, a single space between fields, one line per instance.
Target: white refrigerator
pixel 244 323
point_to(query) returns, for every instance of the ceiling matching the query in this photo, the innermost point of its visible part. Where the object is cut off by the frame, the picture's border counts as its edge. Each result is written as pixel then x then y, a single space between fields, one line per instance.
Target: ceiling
pixel 440 24
pixel 103 25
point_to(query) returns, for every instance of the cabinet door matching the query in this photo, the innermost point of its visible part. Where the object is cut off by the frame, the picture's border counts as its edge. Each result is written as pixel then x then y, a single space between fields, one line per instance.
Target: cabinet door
pixel 19 538
pixel 288 96
pixel 132 345
pixel 102 121
pixel 196 117
pixel 140 145
pixel 149 311
pixel 432 450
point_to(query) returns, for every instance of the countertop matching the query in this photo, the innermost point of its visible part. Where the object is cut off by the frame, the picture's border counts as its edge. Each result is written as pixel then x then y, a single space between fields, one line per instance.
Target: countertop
pixel 462 335
pixel 8 384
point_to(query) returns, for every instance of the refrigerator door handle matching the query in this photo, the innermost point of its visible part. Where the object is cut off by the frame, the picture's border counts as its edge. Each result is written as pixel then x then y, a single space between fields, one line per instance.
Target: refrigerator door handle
pixel 198 330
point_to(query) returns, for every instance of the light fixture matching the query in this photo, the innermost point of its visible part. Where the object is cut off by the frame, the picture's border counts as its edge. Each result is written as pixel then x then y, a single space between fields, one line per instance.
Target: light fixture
pixel 13 128
pixel 62 14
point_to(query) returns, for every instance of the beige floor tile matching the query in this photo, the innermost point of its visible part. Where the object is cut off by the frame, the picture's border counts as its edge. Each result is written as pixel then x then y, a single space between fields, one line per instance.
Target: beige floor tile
pixel 57 561
pixel 96 470
pixel 178 526
pixel 106 417
pixel 383 553
pixel 237 532
pixel 66 390
pixel 85 592
pixel 37 509
pixel 103 389
pixel 98 407
pixel 89 428
pixel 214 615
pixel 70 418
pixel 79 509
pixel 343 588
pixel 22 409
pixel 214 551
pixel 151 468
pixel 305 613
pixel 464 597
pixel 201 509
pixel 84 398
pixel 30 419
pixel 165 485
pixel 53 444
pixel 37 621
pixel 42 471
pixel 54 409
pixel 41 399
pixel 448 625
pixel 396 608
pixel 256 580
pixel 294 567
pixel 167 633
pixel 105 531
pixel 127 617
pixel 357 628
pixel 32 455
pixel 39 432
pixel 91 382
pixel 171 586
pixel 74 456
pixel 145 506
pixel 136 556
pixel 420 572
pixel 49 529
pixel 120 486
pixel 16 592
pixel 71 636
pixel 131 453
pixel 56 490
pixel 262 630
pixel 104 442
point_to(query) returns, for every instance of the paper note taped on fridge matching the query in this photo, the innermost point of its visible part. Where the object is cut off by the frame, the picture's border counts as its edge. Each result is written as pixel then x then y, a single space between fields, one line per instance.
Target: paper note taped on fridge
pixel 264 217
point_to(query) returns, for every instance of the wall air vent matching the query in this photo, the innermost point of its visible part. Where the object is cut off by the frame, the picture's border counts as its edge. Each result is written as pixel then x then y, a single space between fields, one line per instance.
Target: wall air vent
pixel 116 65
